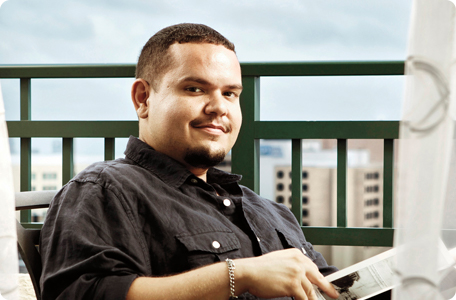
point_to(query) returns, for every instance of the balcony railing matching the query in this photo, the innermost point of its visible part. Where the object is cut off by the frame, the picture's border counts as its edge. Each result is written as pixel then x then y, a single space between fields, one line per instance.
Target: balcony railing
pixel 245 154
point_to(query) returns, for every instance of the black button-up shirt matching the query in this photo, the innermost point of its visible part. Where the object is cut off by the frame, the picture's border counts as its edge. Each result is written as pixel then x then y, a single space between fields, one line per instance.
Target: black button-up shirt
pixel 147 215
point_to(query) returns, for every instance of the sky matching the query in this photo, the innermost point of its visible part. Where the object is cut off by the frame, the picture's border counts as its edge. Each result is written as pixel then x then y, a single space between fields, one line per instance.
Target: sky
pixel 114 31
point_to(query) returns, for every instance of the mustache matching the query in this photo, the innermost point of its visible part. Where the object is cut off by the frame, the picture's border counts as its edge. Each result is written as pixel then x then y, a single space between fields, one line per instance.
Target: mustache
pixel 199 122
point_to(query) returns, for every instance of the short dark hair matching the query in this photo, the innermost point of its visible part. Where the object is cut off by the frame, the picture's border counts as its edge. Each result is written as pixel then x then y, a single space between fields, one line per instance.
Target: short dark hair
pixel 155 59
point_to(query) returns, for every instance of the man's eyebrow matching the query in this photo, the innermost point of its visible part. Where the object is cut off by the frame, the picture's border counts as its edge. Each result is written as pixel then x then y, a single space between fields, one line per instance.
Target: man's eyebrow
pixel 195 79
pixel 205 82
pixel 235 87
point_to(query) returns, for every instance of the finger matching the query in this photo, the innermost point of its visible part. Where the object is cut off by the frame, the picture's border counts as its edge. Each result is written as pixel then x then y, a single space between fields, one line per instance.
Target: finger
pixel 320 281
pixel 300 295
pixel 308 288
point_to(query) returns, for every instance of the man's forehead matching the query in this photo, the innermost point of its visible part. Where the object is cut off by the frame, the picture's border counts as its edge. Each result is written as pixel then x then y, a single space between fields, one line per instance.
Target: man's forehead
pixel 192 58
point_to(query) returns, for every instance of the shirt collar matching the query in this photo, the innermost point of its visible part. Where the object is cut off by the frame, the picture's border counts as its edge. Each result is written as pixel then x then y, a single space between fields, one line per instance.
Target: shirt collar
pixel 221 177
pixel 167 169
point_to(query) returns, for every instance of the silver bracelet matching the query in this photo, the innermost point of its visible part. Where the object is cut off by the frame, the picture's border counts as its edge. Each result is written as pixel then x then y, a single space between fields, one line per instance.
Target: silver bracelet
pixel 231 268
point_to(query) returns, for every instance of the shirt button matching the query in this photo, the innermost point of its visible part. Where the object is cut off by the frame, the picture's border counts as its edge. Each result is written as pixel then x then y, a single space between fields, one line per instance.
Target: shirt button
pixel 193 180
pixel 215 244
pixel 227 202
pixel 258 239
pixel 304 251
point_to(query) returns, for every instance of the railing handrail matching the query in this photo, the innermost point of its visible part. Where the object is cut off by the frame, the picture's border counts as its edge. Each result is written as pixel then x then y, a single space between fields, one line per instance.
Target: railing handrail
pixel 314 68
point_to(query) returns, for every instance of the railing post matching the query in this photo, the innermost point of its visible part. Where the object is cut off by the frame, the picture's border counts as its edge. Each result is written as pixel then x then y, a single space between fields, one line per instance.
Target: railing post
pixel 296 179
pixel 341 183
pixel 67 160
pixel 109 148
pixel 245 153
pixel 388 180
pixel 26 145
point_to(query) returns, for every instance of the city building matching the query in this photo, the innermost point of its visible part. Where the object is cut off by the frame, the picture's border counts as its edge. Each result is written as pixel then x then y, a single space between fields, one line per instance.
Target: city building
pixel 319 195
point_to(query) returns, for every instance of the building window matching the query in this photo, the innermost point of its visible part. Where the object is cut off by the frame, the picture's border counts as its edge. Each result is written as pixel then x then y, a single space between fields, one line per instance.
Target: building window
pixel 280 174
pixel 49 187
pixel 304 174
pixel 280 187
pixel 33 176
pixel 370 202
pixel 290 186
pixel 305 213
pixel 373 188
pixel 305 187
pixel 305 224
pixel 374 175
pixel 33 188
pixel 305 200
pixel 372 215
pixel 49 175
pixel 290 199
pixel 279 199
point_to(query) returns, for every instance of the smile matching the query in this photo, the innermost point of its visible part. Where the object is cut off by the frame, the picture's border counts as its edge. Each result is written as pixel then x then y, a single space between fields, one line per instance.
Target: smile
pixel 211 129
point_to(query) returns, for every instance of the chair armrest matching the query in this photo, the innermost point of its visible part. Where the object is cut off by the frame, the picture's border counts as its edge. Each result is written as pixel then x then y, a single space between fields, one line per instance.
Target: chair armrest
pixel 31 200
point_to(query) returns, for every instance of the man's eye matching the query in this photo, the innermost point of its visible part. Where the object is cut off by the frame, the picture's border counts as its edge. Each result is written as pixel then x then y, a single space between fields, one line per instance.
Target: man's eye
pixel 194 90
pixel 230 94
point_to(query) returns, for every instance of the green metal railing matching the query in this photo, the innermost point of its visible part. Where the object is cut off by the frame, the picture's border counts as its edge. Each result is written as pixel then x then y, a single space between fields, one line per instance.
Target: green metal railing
pixel 245 154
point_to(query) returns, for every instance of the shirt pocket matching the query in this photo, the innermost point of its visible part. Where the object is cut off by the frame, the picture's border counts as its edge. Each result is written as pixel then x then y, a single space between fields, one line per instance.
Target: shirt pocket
pixel 206 248
pixel 293 241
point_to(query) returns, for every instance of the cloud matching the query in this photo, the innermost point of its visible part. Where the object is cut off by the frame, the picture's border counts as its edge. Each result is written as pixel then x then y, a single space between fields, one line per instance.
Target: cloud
pixel 51 31
pixel 114 31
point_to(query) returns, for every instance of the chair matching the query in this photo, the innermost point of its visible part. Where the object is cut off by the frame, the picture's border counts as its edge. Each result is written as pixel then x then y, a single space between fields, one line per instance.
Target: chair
pixel 28 238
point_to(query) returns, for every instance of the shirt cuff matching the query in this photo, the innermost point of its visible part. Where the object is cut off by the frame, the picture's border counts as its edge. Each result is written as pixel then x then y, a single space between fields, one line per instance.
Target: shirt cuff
pixel 115 287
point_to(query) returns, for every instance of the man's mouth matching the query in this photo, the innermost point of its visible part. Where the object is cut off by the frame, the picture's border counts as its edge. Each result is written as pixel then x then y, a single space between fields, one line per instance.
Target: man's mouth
pixel 211 127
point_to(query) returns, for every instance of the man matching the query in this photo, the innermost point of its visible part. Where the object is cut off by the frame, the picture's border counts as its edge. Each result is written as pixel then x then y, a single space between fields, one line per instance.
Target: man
pixel 162 223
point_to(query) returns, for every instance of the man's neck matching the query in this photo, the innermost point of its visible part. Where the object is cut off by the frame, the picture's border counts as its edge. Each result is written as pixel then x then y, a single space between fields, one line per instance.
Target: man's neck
pixel 200 173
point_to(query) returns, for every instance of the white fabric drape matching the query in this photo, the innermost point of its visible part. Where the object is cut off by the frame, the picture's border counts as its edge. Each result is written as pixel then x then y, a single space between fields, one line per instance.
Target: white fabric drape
pixel 427 162
pixel 9 267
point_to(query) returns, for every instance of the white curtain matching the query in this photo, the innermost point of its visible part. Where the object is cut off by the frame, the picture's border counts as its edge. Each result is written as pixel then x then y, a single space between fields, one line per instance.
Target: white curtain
pixel 426 210
pixel 9 267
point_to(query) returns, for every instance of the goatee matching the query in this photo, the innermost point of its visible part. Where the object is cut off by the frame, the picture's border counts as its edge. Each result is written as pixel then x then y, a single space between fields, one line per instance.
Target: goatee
pixel 203 158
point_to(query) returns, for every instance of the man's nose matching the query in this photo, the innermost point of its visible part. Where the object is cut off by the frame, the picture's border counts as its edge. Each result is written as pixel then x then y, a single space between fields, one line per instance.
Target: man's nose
pixel 216 105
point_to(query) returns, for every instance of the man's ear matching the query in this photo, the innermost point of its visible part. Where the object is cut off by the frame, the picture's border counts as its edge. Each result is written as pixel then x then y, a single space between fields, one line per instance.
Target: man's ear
pixel 140 92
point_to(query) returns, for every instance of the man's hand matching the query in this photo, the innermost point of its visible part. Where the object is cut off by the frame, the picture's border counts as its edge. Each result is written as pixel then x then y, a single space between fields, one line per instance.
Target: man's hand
pixel 281 273
pixel 276 274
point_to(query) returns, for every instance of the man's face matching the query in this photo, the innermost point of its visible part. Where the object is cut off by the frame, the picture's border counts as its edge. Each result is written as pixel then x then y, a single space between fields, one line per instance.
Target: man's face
pixel 195 116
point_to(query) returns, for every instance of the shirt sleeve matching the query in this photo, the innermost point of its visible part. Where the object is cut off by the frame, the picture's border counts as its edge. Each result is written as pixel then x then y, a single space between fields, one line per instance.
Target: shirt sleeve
pixel 320 261
pixel 90 246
